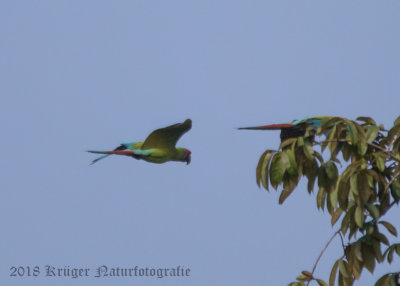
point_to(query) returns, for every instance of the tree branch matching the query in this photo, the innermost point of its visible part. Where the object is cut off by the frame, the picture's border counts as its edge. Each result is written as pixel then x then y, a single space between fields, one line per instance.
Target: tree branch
pixel 322 252
pixel 387 152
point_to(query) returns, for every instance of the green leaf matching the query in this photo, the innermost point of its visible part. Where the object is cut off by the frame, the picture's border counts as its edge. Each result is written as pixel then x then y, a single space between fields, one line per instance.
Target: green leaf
pixel 308 150
pixel 310 169
pixel 395 190
pixel 359 217
pixel 380 162
pixel 367 120
pixel 363 165
pixel 393 281
pixel 332 276
pixel 390 255
pixel 285 162
pixel 347 152
pixel 331 170
pixel 371 134
pixel 376 245
pixel 327 126
pixel 393 132
pixel 369 257
pixel 346 220
pixel 397 121
pixel 284 195
pixel 396 145
pixel 311 183
pixel 343 269
pixel 381 237
pixel 336 215
pixel 389 227
pixel 353 133
pixel 333 142
pixel 356 268
pixel 300 141
pixel 332 199
pixel 259 166
pixel 373 210
pixel 307 273
pixel 287 142
pixel 383 281
pixel 343 191
pixel 354 184
pixel 321 282
pixel 357 250
pixel 321 198
pixel 276 170
pixel 353 229
pixel 390 250
pixel 364 189
pixel 264 169
pixel 303 278
pixel 362 146
pixel 292 169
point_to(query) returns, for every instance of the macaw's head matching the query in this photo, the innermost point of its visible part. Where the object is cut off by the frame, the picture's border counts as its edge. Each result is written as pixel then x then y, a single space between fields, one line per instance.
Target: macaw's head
pixel 186 156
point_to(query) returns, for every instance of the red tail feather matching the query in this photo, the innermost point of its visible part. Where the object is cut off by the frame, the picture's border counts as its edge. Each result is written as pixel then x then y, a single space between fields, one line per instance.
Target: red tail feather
pixel 269 127
pixel 119 152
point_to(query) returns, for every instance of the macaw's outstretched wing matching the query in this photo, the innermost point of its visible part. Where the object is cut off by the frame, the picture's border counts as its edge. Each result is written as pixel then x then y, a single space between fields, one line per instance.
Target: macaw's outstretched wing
pixel 168 136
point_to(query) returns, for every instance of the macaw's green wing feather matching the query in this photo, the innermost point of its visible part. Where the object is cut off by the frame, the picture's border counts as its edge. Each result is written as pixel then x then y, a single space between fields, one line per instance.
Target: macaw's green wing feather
pixel 168 136
pixel 315 121
pixel 132 145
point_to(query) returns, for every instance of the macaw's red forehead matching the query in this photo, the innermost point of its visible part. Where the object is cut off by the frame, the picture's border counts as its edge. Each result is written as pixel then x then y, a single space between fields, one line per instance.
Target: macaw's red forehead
pixel 187 152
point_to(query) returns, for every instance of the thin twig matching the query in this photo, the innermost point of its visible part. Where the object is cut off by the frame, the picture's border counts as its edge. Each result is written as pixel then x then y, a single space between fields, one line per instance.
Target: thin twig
pixel 322 252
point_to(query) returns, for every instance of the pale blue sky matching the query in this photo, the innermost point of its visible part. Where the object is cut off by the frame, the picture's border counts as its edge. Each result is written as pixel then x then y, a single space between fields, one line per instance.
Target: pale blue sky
pixel 78 75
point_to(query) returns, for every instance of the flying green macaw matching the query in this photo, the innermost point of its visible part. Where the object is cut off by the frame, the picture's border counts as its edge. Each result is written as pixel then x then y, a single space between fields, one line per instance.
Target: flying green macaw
pixel 159 146
pixel 294 129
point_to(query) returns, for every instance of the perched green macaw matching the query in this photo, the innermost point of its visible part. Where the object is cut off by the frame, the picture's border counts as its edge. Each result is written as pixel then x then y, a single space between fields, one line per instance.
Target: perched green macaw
pixel 159 146
pixel 294 129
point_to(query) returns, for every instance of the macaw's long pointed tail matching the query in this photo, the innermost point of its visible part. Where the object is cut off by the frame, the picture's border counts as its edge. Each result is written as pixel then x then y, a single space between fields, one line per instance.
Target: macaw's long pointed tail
pixel 269 127
pixel 108 153
pixel 98 159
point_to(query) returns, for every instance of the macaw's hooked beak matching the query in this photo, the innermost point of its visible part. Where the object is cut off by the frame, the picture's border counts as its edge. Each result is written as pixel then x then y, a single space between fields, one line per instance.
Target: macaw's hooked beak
pixel 188 159
pixel 187 156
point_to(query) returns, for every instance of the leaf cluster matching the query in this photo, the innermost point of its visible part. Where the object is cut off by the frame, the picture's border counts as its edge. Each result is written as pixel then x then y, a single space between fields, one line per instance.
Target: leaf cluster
pixel 357 188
